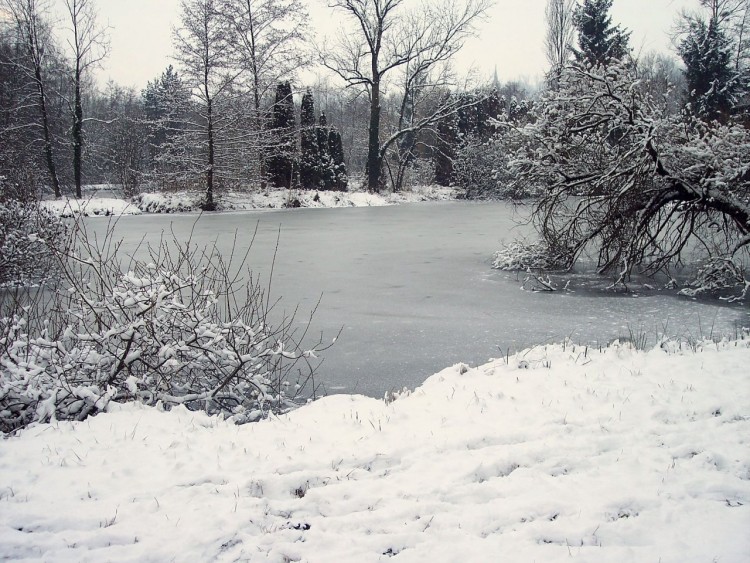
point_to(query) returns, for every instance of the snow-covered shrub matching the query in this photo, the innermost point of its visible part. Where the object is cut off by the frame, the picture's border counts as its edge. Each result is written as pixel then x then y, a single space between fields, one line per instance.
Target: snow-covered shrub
pixel 524 256
pixel 718 274
pixel 178 328
pixel 534 259
pixel 24 254
pixel 165 202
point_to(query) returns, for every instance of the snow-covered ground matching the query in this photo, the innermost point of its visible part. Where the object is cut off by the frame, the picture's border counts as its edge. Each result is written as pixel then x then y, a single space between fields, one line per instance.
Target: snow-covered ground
pixel 558 453
pixel 173 202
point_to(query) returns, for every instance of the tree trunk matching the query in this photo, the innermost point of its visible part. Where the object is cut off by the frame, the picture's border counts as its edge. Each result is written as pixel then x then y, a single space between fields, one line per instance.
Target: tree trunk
pixel 77 134
pixel 209 204
pixel 35 55
pixel 374 163
pixel 48 154
pixel 256 99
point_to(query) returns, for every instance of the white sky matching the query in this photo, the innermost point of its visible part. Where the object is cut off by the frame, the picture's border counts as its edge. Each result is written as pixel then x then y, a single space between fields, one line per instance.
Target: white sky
pixel 511 39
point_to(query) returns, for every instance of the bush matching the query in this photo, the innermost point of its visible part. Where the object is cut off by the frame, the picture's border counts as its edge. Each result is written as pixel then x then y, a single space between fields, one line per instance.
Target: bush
pixel 716 275
pixel 524 256
pixel 181 327
pixel 25 229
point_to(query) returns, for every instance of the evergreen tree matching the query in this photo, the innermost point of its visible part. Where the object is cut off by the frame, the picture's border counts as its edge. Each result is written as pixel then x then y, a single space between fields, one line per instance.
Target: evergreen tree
pixel 489 109
pixel 322 164
pixel 468 114
pixel 711 79
pixel 599 42
pixel 281 164
pixel 336 151
pixel 310 154
pixel 307 116
pixel 165 104
pixel 325 166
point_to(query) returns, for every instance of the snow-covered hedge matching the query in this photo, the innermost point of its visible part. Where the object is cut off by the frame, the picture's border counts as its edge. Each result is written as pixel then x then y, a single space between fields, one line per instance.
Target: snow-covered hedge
pixel 179 329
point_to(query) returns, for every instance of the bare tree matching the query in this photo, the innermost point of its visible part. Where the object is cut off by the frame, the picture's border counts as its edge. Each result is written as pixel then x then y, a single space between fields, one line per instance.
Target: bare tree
pixel 202 44
pixel 89 44
pixel 269 37
pixel 29 19
pixel 663 79
pixel 386 37
pixel 559 37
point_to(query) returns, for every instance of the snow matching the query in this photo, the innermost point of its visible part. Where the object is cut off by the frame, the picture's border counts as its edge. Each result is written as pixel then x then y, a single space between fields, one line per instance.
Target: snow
pixel 175 202
pixel 560 452
pixel 93 206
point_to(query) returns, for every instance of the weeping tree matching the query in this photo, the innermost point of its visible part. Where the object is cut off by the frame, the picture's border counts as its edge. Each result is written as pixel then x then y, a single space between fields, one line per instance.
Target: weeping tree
pixel 618 176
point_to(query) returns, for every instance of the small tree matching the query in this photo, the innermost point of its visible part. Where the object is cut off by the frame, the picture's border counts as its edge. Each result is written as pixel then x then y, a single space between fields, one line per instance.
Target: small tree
pixel 558 41
pixel 336 152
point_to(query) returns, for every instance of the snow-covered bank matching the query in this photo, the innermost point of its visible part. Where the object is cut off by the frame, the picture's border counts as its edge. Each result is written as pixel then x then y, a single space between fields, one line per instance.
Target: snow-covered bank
pixel 563 452
pixel 176 202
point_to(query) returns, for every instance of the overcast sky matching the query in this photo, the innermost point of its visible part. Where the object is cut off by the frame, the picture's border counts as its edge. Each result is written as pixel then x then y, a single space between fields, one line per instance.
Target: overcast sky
pixel 511 39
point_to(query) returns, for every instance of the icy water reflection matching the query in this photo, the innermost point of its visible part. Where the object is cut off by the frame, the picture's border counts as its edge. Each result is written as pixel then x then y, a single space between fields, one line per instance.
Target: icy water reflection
pixel 413 288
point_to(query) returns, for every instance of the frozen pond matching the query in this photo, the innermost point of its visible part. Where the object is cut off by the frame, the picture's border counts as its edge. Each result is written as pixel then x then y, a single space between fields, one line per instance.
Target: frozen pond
pixel 413 288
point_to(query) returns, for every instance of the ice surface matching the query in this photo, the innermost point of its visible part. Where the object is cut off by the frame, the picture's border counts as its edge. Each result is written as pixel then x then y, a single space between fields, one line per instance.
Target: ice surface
pixel 413 288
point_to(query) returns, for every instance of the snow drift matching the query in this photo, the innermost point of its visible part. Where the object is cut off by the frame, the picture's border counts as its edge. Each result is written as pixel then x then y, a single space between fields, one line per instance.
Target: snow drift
pixel 559 452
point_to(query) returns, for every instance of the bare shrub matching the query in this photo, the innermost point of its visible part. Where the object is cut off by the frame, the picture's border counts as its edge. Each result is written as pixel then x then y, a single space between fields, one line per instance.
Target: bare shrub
pixel 183 326
pixel 524 256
